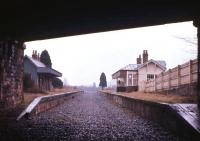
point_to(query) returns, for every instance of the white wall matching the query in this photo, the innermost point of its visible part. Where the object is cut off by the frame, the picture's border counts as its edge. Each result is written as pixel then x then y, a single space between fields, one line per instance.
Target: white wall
pixel 150 68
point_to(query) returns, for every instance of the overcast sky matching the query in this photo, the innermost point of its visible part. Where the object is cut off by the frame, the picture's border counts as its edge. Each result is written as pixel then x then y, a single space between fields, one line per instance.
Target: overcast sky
pixel 81 59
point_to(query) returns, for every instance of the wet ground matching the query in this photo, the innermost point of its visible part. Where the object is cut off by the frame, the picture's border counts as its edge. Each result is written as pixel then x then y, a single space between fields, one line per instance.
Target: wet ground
pixel 89 116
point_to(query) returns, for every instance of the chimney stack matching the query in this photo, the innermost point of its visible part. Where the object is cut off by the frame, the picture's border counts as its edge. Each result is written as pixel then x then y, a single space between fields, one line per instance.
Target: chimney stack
pixel 139 60
pixel 35 55
pixel 145 56
pixel 38 57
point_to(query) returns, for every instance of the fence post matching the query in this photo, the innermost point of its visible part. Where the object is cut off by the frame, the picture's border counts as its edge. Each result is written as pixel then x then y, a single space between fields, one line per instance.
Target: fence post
pixel 190 75
pixel 155 84
pixel 191 62
pixel 169 79
pixel 162 81
pixel 179 75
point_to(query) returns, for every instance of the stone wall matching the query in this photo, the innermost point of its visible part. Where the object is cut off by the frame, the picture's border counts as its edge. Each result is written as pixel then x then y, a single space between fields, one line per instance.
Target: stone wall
pixel 11 73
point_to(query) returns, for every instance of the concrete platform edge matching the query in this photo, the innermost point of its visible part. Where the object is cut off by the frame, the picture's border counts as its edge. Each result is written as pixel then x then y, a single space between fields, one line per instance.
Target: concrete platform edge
pixel 43 103
pixel 164 114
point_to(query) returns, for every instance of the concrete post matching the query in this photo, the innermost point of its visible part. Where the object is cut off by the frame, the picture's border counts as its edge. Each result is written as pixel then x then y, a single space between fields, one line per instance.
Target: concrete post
pixel 196 23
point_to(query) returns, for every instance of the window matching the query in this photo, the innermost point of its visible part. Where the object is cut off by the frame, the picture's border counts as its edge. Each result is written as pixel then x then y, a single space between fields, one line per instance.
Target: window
pixel 120 82
pixel 130 76
pixel 130 80
pixel 134 76
pixel 150 76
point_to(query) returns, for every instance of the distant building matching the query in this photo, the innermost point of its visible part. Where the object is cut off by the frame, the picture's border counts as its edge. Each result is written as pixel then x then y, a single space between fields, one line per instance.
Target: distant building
pixel 39 73
pixel 133 76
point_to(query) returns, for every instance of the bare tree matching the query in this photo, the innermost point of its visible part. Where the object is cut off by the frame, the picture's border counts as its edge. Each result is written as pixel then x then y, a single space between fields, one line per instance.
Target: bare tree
pixel 191 41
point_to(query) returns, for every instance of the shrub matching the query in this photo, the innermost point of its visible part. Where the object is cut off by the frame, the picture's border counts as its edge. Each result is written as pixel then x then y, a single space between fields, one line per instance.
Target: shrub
pixel 57 83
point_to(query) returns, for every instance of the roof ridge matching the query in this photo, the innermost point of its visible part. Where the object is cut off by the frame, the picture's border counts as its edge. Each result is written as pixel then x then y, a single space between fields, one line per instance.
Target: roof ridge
pixel 36 62
pixel 155 61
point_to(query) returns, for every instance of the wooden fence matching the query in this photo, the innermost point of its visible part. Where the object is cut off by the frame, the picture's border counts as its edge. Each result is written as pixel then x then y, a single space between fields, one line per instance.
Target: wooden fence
pixel 182 75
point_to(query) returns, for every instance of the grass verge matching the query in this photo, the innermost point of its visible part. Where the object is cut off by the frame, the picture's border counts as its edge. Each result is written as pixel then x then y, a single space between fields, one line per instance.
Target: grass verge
pixel 157 97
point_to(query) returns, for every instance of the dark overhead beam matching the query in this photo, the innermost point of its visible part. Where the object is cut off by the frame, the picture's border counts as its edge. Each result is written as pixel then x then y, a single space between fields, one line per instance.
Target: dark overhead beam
pixel 39 20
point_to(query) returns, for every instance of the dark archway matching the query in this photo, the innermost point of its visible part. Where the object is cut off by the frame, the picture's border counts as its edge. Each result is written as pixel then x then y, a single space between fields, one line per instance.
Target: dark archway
pixel 28 21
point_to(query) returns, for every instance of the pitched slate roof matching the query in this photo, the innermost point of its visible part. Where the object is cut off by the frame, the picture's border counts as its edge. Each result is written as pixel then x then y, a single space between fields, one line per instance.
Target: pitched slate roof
pixel 36 62
pixel 41 67
pixel 131 67
pixel 49 71
pixel 160 63
pixel 134 67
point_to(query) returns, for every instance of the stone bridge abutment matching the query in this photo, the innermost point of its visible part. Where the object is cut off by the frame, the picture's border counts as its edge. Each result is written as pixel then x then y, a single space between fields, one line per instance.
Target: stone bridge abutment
pixel 11 73
pixel 197 24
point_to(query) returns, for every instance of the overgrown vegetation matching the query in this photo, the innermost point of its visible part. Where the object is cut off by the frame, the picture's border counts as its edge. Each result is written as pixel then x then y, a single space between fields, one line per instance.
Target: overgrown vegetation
pixel 158 97
pixel 57 83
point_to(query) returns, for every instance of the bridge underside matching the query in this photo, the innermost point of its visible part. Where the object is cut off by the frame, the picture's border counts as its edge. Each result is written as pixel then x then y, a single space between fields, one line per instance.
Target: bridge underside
pixel 34 20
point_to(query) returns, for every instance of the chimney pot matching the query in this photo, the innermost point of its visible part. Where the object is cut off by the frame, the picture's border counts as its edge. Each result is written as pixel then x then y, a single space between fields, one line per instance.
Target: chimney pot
pixel 139 60
pixel 145 56
pixel 38 57
pixel 33 54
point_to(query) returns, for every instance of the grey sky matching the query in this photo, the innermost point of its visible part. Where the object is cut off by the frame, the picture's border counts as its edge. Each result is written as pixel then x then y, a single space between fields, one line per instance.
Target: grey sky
pixel 82 58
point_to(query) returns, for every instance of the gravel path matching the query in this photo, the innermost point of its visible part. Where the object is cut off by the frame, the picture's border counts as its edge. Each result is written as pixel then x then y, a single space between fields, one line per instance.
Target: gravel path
pixel 91 116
